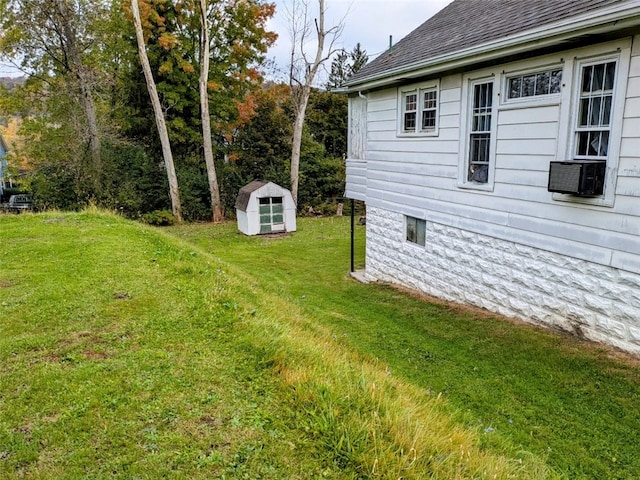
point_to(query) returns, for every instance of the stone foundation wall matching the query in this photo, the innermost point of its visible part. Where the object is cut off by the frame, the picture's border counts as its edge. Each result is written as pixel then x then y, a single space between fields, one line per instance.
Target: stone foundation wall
pixel 595 301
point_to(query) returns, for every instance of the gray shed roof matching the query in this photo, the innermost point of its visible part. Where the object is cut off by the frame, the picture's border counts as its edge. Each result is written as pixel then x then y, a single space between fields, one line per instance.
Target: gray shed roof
pixel 465 24
pixel 242 201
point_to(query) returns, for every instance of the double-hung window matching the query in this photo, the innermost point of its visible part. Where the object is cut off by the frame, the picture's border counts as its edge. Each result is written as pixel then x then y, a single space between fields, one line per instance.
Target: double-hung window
pixel 480 132
pixel 593 127
pixel 419 110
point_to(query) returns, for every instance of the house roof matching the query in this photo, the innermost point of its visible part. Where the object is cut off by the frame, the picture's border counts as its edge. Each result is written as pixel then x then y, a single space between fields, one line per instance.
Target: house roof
pixel 242 201
pixel 463 26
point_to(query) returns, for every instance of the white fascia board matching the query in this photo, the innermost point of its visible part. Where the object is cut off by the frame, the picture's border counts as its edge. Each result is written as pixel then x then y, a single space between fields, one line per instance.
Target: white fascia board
pixel 611 19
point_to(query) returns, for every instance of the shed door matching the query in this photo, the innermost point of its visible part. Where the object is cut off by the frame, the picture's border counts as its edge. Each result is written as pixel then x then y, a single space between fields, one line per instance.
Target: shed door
pixel 271 215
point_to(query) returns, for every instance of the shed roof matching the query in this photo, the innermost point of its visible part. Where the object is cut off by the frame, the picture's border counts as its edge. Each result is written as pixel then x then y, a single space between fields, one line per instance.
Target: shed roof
pixel 245 193
pixel 464 24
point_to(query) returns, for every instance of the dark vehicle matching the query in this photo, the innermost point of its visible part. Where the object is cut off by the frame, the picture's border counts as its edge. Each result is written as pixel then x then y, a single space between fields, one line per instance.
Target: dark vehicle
pixel 20 203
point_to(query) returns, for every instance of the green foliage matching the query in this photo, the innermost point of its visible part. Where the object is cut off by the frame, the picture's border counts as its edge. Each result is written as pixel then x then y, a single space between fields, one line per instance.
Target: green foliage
pixel 345 65
pixel 159 218
pixel 327 119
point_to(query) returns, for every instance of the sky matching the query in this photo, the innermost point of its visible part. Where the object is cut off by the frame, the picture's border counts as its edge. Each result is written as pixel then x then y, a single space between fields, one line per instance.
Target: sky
pixel 369 22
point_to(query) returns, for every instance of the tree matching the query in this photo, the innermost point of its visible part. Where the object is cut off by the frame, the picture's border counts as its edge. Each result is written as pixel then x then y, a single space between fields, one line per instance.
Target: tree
pixel 303 71
pixel 345 65
pixel 159 115
pixel 206 96
pixel 214 189
pixel 54 41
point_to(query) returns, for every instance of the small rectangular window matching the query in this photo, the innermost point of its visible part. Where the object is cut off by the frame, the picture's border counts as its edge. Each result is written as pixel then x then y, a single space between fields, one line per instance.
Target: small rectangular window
pixel 416 230
pixel 536 84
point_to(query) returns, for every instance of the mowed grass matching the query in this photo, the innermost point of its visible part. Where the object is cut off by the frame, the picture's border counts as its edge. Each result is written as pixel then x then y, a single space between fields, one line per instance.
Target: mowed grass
pixel 127 353
pixel 525 391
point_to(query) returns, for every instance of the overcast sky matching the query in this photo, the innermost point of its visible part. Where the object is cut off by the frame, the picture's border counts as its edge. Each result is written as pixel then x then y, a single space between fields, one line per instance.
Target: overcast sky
pixel 369 22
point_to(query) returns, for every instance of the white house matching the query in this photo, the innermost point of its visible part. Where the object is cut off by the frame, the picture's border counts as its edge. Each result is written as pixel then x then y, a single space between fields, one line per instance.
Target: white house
pixel 264 207
pixel 497 148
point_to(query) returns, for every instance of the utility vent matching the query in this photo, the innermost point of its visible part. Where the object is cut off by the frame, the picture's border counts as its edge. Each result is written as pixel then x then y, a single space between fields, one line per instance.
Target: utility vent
pixel 580 177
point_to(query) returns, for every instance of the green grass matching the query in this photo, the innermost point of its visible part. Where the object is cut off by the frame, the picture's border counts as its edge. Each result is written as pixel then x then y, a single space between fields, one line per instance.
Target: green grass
pixel 195 352
pixel 527 391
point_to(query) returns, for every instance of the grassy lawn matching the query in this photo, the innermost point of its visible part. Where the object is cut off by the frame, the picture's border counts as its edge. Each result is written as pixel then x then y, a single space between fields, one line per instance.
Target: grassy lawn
pixel 196 352
pixel 526 391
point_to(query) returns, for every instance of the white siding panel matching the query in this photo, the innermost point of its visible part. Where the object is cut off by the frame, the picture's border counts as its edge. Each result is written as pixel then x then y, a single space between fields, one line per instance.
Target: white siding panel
pixel 629 186
pixel 634 67
pixel 633 87
pixel 450 95
pixel 522 177
pixel 515 147
pixel 526 116
pixel 450 121
pixel 632 108
pixel 629 167
pixel 382 125
pixel 412 146
pixel 529 131
pixel 452 108
pixel 529 162
pixel 630 147
pixel 631 129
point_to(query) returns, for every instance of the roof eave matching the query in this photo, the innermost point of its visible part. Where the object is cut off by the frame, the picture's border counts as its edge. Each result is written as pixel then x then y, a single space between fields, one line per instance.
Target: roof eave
pixel 612 20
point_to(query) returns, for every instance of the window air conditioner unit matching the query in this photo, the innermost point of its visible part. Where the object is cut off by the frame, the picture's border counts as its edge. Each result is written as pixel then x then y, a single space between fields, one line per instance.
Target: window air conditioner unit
pixel 579 177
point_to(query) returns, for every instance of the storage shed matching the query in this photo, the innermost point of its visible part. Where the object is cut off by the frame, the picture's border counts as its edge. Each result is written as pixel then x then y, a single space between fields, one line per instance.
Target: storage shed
pixel 264 207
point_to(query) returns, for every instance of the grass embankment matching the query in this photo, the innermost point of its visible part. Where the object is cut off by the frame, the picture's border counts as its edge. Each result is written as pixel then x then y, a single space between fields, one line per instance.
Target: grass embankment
pixel 125 353
pixel 522 389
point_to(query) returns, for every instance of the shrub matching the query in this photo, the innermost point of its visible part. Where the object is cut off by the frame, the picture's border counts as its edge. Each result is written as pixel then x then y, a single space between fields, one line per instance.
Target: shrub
pixel 159 218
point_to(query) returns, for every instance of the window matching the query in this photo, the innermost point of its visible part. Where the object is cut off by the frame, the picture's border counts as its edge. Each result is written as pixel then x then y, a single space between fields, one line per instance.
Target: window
pixel 271 214
pixel 480 132
pixel 536 84
pixel 594 111
pixel 419 110
pixel 416 230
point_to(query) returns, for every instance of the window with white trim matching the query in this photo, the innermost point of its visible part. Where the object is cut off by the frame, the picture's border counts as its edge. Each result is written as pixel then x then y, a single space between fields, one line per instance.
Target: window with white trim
pixel 536 84
pixel 419 109
pixel 416 230
pixel 480 132
pixel 593 126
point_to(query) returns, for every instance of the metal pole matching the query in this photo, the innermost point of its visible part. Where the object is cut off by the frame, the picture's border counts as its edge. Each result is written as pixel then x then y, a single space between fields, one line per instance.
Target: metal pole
pixel 353 213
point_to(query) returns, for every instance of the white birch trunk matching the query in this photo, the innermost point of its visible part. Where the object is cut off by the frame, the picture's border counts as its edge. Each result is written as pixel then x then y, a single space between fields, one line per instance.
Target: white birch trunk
pixel 157 108
pixel 207 146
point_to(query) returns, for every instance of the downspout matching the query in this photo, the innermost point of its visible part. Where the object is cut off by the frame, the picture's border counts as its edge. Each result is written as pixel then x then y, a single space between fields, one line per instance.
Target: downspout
pixel 353 210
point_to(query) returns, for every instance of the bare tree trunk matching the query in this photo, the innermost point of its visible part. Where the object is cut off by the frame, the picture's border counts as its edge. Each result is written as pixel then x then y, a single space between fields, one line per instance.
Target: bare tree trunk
pixel 214 189
pixel 78 70
pixel 301 87
pixel 157 108
pixel 301 103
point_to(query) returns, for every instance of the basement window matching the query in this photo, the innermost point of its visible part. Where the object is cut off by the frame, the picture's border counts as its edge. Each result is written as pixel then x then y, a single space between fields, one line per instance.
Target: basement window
pixel 416 230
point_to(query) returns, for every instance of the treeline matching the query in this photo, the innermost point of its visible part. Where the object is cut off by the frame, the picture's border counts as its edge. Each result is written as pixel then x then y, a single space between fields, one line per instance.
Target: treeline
pixel 81 60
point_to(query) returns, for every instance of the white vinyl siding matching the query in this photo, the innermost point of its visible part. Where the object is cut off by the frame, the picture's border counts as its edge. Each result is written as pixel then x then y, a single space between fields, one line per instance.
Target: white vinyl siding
pixel 428 177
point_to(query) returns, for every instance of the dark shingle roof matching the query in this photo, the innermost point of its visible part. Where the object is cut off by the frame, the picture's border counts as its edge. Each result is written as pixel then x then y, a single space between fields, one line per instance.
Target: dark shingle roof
pixel 242 201
pixel 467 23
